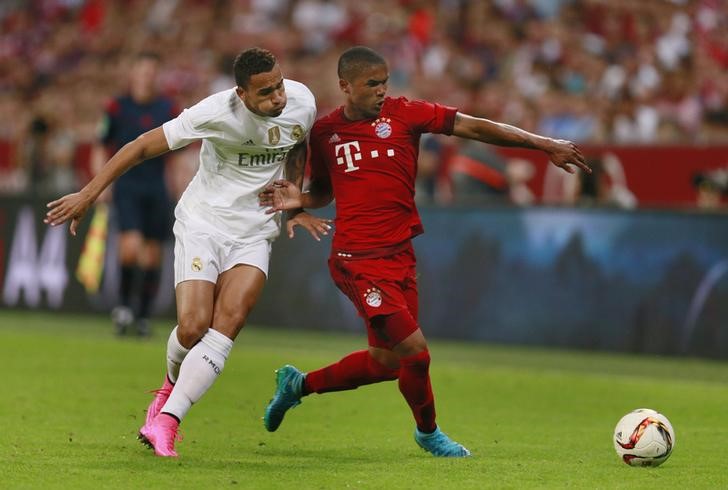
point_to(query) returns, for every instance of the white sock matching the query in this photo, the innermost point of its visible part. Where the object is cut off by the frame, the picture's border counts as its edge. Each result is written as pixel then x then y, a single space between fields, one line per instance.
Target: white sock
pixel 176 353
pixel 198 372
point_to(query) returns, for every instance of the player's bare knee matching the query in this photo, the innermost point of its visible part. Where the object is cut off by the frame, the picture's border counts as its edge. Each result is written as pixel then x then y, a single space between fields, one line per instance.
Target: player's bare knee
pixel 188 338
pixel 192 327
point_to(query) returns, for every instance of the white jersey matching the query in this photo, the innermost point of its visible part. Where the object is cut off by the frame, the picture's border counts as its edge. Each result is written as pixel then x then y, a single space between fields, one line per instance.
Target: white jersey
pixel 241 153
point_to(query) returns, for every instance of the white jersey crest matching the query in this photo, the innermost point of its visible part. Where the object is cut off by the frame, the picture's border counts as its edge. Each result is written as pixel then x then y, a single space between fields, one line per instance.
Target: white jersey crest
pixel 241 153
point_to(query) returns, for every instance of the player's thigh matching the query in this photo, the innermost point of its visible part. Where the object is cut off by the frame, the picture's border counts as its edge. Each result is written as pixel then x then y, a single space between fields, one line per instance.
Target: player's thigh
pixel 371 293
pixel 197 253
pixel 236 292
pixel 411 295
pixel 195 302
pixel 377 290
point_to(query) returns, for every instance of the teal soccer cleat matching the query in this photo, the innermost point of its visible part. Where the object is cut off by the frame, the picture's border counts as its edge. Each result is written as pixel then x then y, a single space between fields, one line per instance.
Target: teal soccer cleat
pixel 289 381
pixel 439 444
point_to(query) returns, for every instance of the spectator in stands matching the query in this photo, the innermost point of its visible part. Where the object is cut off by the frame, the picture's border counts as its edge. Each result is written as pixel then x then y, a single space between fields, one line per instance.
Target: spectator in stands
pixel 482 176
pixel 710 188
pixel 663 65
pixel 34 153
pixel 606 186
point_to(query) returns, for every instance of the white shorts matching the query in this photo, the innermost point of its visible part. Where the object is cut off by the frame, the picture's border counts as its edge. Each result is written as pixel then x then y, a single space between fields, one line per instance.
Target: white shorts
pixel 203 253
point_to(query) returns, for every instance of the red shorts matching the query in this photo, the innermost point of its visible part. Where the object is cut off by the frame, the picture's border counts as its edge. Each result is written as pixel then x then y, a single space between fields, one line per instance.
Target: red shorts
pixel 378 286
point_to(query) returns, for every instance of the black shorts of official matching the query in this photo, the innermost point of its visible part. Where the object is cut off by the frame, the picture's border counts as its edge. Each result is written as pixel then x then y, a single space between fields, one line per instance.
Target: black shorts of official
pixel 148 210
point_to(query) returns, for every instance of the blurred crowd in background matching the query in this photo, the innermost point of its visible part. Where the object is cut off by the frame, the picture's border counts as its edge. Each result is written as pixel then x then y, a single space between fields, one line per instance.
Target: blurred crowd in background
pixel 593 71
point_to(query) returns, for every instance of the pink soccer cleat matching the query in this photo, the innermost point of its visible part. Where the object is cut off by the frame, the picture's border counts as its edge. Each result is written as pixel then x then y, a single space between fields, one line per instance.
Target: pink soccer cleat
pixel 160 398
pixel 160 434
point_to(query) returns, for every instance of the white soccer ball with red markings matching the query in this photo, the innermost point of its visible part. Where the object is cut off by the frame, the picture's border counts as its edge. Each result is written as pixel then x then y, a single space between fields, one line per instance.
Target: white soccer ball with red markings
pixel 644 437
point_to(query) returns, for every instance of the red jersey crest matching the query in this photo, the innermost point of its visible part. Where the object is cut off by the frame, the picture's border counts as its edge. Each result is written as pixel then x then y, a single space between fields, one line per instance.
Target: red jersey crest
pixel 382 128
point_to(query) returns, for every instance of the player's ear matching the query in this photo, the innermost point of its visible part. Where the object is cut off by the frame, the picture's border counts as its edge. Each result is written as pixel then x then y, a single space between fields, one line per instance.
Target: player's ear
pixel 344 86
pixel 241 92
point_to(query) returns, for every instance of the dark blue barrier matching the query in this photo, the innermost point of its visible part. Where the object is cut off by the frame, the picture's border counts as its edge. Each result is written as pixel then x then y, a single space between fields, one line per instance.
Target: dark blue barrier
pixel 638 281
pixel 588 278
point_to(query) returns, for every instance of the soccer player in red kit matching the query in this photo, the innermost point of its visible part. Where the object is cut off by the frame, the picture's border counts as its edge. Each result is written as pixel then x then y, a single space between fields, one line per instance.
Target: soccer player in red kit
pixel 364 154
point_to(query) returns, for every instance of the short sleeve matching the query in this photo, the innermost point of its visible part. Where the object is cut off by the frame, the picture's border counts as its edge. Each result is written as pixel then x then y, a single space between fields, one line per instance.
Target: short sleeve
pixel 429 117
pixel 192 125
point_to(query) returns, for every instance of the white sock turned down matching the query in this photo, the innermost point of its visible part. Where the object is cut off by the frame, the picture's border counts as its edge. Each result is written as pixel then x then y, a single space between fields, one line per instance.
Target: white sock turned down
pixel 199 370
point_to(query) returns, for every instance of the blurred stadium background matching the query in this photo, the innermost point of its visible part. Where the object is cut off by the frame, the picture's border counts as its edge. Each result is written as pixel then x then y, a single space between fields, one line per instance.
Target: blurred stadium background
pixel 632 259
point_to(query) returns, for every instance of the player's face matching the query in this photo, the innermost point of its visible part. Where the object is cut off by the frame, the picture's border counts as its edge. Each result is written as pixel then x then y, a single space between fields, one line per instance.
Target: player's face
pixel 365 92
pixel 265 94
pixel 143 79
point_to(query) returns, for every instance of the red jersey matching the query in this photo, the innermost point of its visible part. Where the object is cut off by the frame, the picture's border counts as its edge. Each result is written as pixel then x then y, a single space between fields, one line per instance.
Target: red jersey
pixel 372 165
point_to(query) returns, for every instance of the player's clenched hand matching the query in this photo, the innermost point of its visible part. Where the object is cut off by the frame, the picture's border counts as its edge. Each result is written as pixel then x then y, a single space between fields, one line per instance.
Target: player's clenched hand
pixel 279 196
pixel 69 207
pixel 564 154
pixel 315 226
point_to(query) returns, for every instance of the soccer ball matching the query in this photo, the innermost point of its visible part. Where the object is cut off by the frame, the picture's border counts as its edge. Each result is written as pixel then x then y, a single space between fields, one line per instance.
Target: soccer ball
pixel 644 437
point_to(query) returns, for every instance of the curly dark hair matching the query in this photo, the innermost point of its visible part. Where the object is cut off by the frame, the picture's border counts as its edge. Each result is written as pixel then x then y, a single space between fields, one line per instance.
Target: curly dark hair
pixel 251 62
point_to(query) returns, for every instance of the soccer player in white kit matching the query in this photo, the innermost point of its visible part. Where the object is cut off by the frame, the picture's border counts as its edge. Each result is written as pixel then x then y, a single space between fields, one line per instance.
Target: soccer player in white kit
pixel 251 135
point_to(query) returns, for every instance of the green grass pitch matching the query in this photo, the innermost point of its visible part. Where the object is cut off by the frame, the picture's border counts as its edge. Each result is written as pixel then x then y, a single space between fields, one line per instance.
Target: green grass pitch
pixel 73 398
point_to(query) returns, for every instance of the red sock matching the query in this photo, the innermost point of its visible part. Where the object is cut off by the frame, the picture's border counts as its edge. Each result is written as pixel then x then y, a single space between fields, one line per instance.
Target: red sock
pixel 414 383
pixel 354 370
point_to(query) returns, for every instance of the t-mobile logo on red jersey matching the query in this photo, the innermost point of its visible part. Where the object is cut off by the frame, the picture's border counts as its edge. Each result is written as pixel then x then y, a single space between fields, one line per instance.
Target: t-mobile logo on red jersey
pixel 350 157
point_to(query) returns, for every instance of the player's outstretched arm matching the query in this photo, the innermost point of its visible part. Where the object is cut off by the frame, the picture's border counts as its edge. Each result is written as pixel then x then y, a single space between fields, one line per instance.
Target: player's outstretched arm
pixel 562 153
pixel 73 206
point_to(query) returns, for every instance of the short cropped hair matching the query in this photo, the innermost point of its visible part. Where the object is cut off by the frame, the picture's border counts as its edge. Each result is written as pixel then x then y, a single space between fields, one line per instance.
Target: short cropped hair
pixel 251 62
pixel 353 60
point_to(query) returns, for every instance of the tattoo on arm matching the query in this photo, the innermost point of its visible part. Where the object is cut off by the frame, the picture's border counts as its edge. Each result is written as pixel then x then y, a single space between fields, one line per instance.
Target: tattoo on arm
pixel 296 163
